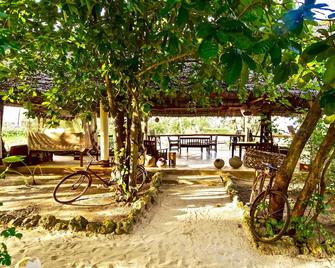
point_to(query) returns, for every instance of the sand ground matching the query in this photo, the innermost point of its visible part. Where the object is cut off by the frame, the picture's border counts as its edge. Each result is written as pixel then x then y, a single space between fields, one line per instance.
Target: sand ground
pixel 193 225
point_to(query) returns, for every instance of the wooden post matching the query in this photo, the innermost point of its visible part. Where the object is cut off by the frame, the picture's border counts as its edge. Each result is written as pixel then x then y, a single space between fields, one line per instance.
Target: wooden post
pixel 104 139
pixel 146 119
pixel 246 137
pixel 266 129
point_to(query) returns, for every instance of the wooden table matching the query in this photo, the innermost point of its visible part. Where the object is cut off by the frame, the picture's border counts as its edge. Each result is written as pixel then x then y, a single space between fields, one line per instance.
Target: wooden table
pixel 241 144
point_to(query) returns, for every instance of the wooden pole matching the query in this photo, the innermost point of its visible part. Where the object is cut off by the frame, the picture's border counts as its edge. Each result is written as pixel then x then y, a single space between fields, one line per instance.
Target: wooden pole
pixel 246 138
pixel 146 119
pixel 104 139
pixel 266 129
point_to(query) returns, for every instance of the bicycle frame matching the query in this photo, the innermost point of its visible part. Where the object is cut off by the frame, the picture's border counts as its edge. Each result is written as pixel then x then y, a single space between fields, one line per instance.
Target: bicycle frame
pixel 260 177
pixel 90 171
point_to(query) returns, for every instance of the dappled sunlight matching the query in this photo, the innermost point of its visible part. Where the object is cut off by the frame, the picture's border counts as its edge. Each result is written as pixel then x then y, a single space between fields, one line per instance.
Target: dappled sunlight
pixel 97 203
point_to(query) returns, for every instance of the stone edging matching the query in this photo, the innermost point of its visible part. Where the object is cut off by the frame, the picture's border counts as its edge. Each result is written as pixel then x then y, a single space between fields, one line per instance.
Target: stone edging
pixel 286 245
pixel 79 223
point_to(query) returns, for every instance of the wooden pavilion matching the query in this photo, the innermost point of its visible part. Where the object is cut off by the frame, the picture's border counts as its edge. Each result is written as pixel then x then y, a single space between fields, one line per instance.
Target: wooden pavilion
pixel 227 103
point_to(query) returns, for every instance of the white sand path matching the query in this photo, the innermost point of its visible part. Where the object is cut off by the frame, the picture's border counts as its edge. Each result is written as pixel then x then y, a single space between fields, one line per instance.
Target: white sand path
pixel 186 229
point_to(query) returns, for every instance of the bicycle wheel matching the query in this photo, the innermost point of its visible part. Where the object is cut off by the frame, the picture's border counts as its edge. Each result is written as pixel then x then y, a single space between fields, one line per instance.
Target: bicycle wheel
pixel 266 225
pixel 141 177
pixel 72 187
pixel 257 186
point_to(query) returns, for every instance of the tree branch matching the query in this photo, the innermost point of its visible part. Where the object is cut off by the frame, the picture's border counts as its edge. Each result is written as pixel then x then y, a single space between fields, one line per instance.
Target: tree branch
pixel 172 59
pixel 247 8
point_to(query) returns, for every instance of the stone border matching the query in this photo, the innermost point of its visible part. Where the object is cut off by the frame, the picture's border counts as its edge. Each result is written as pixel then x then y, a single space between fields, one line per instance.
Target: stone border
pixel 287 245
pixel 79 223
pixel 230 187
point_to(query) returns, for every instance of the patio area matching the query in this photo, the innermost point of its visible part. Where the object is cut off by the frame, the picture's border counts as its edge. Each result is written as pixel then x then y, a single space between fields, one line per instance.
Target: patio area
pixel 194 159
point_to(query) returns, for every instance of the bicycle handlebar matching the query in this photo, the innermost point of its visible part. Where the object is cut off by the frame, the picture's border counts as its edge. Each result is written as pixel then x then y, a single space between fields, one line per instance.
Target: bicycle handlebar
pixel 270 166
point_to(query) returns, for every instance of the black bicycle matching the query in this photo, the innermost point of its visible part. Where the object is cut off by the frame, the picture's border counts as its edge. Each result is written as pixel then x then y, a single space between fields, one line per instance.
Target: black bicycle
pixel 74 185
pixel 270 209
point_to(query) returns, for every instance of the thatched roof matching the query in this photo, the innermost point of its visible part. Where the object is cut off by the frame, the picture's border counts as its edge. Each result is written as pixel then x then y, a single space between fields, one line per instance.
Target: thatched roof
pixel 227 103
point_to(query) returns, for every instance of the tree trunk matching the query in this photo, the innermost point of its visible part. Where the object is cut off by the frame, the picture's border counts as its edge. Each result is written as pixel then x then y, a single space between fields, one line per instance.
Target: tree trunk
pixel 323 185
pixel 118 116
pixel 119 137
pixel 122 145
pixel 299 140
pixel 314 173
pixel 135 137
pixel 127 164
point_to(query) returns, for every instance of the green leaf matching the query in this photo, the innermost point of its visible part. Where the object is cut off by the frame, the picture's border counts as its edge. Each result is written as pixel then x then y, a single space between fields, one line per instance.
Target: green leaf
pixel 244 74
pixel 305 79
pixel 165 82
pixel 208 50
pixel 205 30
pixel 294 68
pixel 275 53
pixel 327 102
pixel 227 57
pixel 313 50
pixel 294 47
pixel 231 25
pixel 330 119
pixel 262 47
pixel 14 159
pixel 329 76
pixel 173 46
pixel 166 9
pixel 249 61
pixel 282 73
pixel 222 37
pixel 233 68
pixel 182 17
pixel 18 235
pixel 330 107
pixel 242 41
pixel 3 15
pixel 325 54
pixel 146 107
pixel 156 77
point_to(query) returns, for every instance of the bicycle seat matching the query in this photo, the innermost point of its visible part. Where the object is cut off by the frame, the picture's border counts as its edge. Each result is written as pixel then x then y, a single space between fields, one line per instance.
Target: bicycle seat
pixel 269 166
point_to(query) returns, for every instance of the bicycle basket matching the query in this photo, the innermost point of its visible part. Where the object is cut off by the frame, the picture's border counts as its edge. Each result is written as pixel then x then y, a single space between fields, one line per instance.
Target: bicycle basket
pixel 256 158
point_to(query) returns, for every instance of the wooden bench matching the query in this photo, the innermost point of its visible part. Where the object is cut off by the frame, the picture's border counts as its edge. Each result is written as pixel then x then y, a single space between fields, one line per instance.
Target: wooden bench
pixel 192 142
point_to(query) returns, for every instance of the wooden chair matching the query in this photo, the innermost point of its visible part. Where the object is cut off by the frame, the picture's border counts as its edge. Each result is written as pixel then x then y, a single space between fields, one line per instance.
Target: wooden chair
pixel 151 148
pixel 214 143
pixel 174 143
pixel 234 139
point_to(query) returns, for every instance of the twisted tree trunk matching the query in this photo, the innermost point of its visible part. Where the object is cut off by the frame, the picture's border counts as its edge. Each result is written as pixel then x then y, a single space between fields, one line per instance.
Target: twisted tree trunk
pixel 323 186
pixel 122 123
pixel 306 129
pixel 314 174
pixel 134 135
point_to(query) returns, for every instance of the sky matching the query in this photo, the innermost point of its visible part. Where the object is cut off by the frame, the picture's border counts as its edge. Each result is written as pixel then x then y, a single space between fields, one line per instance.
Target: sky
pixel 331 4
pixel 11 114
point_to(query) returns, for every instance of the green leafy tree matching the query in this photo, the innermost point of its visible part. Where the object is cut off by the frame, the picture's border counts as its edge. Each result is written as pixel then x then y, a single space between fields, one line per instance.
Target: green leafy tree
pixel 127 53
